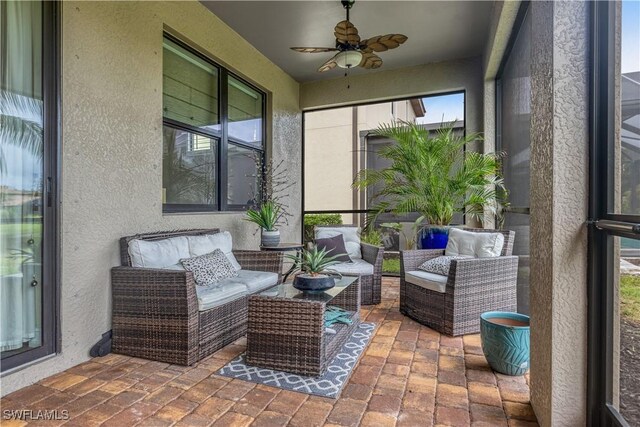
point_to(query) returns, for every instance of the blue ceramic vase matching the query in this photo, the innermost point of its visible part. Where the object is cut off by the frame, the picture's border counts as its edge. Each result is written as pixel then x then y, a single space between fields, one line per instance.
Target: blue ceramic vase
pixel 434 237
pixel 506 346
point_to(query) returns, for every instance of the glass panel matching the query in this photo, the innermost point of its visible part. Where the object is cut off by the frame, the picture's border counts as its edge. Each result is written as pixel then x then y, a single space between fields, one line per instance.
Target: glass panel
pixel 627 150
pixel 288 291
pixel 189 168
pixel 442 109
pixel 21 177
pixel 245 112
pixel 190 88
pixel 626 336
pixel 243 175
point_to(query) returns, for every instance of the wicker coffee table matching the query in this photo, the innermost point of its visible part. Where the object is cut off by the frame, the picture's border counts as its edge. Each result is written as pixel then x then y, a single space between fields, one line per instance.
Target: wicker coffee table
pixel 286 332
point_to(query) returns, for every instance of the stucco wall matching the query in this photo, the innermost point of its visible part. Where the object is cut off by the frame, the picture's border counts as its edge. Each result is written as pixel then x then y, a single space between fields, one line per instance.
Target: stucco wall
pixel 559 179
pixel 403 83
pixel 112 149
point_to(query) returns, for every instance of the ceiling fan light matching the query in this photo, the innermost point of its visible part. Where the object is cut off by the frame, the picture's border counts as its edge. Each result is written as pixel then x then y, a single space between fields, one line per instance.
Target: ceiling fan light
pixel 348 58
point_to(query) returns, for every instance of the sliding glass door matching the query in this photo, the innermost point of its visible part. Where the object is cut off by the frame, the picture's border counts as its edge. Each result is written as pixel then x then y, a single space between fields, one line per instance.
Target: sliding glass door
pixel 27 198
pixel 614 300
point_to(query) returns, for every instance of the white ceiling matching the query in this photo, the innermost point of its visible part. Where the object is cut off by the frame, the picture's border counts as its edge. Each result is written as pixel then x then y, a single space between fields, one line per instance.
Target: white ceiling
pixel 437 30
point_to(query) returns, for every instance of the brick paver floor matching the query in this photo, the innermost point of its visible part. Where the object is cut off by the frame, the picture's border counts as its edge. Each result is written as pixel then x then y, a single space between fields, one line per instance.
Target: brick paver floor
pixel 410 375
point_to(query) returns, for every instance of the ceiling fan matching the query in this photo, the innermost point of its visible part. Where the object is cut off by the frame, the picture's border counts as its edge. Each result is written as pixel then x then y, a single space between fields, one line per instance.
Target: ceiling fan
pixel 352 51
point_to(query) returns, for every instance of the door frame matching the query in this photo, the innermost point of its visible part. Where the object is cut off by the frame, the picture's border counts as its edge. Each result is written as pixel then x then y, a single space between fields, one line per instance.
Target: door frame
pixel 50 293
pixel 604 226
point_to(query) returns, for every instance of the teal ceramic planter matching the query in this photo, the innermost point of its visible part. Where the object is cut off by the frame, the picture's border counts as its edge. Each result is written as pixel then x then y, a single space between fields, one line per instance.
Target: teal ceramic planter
pixel 506 342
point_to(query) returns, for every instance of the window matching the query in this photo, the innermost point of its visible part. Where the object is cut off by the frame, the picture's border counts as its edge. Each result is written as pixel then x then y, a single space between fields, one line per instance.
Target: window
pixel 213 135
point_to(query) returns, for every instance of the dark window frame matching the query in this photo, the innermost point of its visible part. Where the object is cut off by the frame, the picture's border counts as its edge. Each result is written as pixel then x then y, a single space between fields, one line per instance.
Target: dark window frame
pixel 50 297
pixel 223 138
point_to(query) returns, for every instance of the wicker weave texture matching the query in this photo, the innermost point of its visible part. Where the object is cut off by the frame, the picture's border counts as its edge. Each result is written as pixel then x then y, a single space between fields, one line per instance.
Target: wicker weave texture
pixel 371 284
pixel 155 312
pixel 474 286
pixel 288 334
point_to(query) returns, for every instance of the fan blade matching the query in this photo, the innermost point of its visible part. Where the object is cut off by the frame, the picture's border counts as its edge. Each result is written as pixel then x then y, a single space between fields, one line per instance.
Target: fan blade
pixel 370 60
pixel 314 49
pixel 329 65
pixel 346 33
pixel 382 43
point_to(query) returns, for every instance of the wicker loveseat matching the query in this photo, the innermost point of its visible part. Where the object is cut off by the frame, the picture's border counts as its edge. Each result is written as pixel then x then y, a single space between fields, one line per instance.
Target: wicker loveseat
pixel 159 314
pixel 366 260
pixel 473 286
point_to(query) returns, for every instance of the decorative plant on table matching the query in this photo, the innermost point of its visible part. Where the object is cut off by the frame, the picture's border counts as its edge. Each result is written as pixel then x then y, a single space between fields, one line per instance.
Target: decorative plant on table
pixel 266 217
pixel 313 265
pixel 431 174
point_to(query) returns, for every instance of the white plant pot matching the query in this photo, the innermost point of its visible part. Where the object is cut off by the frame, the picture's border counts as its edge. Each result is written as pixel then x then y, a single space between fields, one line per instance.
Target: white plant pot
pixel 270 238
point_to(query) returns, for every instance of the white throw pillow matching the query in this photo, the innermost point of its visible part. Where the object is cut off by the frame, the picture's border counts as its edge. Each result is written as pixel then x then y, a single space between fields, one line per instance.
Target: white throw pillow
pixel 479 245
pixel 351 238
pixel 207 243
pixel 158 253
pixel 441 265
pixel 209 269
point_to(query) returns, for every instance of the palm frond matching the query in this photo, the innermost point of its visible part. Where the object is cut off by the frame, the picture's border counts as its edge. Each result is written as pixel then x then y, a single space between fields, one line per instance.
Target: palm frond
pixel 431 174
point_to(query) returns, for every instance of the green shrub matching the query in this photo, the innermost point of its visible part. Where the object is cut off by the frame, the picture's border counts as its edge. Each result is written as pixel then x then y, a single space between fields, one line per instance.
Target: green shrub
pixel 372 237
pixel 311 220
pixel 391 266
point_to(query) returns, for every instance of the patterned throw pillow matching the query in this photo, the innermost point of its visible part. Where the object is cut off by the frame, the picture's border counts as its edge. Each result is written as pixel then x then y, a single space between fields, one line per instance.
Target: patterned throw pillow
pixel 208 269
pixel 441 264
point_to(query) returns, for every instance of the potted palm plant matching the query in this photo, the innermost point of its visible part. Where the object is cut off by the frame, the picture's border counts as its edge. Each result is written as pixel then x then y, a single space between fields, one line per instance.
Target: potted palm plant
pixel 266 217
pixel 431 174
pixel 313 265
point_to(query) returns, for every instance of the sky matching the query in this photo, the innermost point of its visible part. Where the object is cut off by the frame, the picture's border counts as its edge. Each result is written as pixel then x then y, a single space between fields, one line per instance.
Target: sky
pixel 445 108
pixel 630 36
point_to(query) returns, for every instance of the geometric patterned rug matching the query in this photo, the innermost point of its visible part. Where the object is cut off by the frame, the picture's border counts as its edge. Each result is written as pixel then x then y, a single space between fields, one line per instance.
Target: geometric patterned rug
pixel 328 385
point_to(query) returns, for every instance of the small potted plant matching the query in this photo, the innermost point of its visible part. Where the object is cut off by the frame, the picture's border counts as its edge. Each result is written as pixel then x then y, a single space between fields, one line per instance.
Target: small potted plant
pixel 266 217
pixel 313 265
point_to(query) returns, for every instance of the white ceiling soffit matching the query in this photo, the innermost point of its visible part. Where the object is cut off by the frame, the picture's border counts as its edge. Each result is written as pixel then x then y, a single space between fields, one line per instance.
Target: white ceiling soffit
pixel 437 30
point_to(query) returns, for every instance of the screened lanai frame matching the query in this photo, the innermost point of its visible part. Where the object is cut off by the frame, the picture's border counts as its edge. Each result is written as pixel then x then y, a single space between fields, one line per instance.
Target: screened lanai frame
pixel 357 147
pixel 604 224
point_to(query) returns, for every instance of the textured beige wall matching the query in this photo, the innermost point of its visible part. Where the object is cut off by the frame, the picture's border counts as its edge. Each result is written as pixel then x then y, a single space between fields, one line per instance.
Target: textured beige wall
pixel 112 148
pixel 559 178
pixel 403 83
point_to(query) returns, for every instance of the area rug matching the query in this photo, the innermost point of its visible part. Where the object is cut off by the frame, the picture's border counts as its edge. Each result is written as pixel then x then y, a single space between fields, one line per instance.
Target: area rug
pixel 328 385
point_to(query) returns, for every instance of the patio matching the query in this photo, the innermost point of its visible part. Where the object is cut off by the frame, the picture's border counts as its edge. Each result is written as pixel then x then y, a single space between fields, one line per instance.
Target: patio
pixel 410 375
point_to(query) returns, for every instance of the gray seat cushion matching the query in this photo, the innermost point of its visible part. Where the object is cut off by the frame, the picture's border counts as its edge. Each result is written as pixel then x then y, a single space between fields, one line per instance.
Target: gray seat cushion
pixel 214 296
pixel 431 281
pixel 253 281
pixel 358 266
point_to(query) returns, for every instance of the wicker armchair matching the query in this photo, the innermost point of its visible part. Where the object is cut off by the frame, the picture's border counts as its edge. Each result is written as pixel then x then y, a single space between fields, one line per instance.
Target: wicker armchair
pixel 370 284
pixel 474 286
pixel 155 312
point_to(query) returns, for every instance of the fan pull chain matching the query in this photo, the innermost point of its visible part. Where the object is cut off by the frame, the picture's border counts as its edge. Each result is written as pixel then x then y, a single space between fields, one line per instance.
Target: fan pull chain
pixel 346 74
